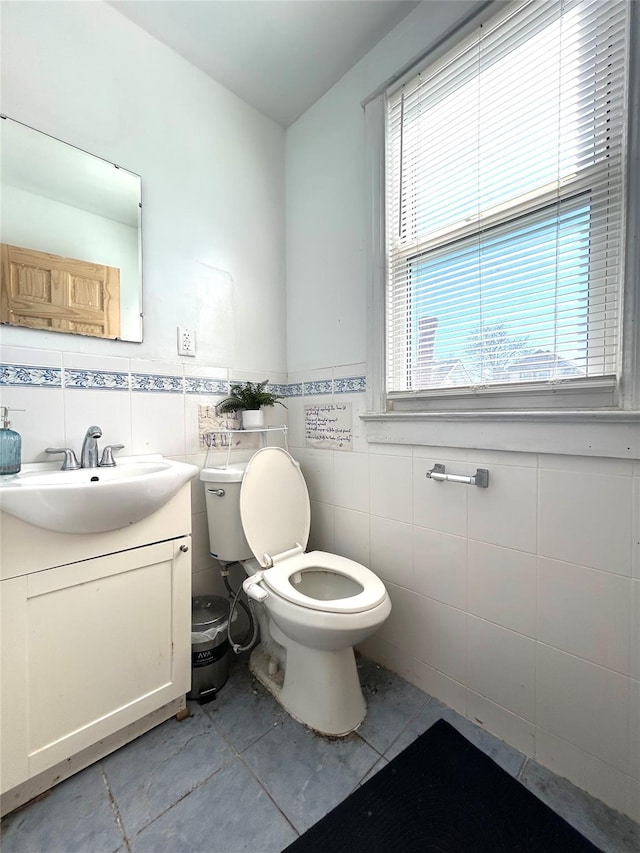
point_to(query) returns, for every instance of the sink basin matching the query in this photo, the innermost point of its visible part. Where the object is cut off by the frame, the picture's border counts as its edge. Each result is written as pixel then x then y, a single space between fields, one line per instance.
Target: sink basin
pixel 93 500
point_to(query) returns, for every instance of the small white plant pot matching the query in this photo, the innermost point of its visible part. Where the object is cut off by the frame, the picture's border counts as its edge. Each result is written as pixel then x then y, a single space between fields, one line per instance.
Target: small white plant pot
pixel 252 419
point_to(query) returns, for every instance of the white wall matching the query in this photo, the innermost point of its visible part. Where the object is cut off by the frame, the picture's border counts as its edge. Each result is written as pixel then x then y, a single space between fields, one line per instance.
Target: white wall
pixel 518 605
pixel 212 172
pixel 211 167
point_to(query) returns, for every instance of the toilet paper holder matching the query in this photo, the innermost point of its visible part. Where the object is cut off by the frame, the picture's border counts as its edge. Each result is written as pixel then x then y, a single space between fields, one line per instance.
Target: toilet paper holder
pixel 480 478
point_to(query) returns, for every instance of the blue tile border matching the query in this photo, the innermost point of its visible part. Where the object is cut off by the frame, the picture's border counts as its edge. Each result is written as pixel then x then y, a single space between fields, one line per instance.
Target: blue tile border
pixel 279 390
pixel 34 376
pixel 320 386
pixel 350 385
pixel 154 382
pixel 25 375
pixel 204 385
pixel 100 380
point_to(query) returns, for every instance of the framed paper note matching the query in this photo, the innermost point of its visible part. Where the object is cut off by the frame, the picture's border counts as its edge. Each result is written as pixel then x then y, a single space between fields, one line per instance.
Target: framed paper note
pixel 329 426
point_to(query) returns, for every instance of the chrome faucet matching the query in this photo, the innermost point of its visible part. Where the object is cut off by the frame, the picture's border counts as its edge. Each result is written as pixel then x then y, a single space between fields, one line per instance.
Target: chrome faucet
pixel 89 455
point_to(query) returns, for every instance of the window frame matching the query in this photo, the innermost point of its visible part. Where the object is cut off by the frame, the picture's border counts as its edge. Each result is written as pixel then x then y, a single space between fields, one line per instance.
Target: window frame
pixel 567 402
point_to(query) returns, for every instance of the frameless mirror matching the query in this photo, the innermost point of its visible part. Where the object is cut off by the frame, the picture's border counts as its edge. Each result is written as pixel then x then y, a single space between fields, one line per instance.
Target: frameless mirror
pixel 71 238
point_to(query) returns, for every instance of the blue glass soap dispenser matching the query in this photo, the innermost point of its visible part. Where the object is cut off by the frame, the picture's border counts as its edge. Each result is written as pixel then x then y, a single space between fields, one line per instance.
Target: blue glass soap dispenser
pixel 10 444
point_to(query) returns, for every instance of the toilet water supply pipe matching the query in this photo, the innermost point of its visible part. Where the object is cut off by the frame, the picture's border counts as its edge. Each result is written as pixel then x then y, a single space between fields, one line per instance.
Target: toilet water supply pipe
pixel 235 600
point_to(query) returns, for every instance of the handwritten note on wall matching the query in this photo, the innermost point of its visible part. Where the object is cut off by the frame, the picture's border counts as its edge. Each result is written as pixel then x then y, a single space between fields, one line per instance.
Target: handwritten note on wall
pixel 329 426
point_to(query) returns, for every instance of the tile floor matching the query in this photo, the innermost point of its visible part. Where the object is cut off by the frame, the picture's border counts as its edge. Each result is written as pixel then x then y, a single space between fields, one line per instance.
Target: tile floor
pixel 240 775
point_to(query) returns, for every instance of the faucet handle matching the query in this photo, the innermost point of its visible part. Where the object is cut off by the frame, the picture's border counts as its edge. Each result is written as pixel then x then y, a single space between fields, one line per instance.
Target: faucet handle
pixel 70 462
pixel 107 460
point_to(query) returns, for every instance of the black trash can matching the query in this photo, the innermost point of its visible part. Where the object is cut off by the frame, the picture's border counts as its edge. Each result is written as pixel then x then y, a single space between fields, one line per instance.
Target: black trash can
pixel 209 646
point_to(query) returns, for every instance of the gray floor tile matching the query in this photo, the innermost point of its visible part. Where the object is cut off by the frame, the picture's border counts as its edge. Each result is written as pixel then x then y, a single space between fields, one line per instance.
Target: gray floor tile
pixel 382 762
pixel 307 774
pixel 606 828
pixel 182 789
pixel 154 771
pixel 506 756
pixel 391 703
pixel 229 813
pixel 243 714
pixel 76 817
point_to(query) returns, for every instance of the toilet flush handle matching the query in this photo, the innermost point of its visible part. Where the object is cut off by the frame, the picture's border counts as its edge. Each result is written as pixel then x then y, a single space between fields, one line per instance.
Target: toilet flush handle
pixel 253 589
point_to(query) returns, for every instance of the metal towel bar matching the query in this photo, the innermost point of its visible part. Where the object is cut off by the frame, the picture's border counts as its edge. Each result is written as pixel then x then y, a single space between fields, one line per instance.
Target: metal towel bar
pixel 480 478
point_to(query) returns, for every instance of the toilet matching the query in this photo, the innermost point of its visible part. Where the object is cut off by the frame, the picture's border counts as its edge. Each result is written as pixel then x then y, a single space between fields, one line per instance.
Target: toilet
pixel 312 607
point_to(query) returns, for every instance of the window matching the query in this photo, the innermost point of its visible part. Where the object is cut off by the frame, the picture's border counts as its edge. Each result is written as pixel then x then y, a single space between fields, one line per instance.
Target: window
pixel 505 201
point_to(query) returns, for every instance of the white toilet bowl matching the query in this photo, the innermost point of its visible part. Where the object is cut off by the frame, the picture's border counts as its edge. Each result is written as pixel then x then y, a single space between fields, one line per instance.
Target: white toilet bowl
pixel 319 604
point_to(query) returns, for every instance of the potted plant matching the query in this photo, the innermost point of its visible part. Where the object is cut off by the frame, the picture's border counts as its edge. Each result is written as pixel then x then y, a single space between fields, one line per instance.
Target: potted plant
pixel 249 398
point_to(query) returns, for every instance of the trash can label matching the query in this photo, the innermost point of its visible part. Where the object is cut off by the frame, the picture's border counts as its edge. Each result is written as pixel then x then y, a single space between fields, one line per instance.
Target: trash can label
pixel 205 657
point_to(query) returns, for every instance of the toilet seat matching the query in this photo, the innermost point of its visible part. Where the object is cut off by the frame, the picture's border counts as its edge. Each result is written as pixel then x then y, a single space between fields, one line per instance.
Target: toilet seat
pixel 276 517
pixel 279 577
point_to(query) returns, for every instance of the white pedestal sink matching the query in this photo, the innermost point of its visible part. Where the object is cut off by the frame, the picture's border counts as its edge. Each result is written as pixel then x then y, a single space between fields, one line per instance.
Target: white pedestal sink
pixel 93 500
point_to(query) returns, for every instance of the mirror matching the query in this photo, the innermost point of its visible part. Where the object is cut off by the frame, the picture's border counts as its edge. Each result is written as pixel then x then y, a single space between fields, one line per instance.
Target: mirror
pixel 71 238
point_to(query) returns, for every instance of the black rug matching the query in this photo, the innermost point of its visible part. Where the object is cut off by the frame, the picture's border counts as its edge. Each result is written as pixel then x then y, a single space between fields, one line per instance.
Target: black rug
pixel 441 795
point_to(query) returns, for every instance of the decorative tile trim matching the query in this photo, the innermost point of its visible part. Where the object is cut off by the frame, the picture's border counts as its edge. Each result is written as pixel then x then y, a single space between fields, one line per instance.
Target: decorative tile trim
pixel 321 386
pixel 24 375
pixel 350 384
pixel 279 390
pixel 100 380
pixel 203 385
pixel 155 382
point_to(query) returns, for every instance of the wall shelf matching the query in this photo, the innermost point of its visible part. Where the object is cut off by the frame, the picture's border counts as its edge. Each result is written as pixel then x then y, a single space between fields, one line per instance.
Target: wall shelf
pixel 232 439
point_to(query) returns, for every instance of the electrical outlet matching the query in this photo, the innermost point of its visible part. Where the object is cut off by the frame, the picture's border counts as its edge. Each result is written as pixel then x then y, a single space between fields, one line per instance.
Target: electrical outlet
pixel 186 341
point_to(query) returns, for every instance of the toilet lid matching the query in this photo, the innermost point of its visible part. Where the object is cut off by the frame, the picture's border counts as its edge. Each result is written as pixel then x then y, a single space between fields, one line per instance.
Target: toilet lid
pixel 274 504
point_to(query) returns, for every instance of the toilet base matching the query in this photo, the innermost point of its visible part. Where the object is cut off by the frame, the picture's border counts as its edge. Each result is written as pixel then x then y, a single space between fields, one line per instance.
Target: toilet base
pixel 329 701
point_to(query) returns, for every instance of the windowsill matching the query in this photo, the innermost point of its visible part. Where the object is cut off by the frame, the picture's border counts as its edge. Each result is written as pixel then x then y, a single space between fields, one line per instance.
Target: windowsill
pixel 609 433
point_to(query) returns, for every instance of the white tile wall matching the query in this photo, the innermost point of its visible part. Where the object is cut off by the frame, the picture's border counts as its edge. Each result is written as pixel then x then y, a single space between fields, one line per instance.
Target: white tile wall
pixel 391 554
pixel 440 566
pixel 583 769
pixel 584 704
pixel 635 525
pixel 586 519
pixel 436 505
pixel 453 693
pixel 157 423
pixel 351 534
pixel 634 729
pixel 502 587
pixel 501 666
pixel 634 664
pixel 110 410
pixel 505 513
pixel 41 424
pixel 442 637
pixel 351 480
pixel 577 608
pixel 506 725
pixel 390 495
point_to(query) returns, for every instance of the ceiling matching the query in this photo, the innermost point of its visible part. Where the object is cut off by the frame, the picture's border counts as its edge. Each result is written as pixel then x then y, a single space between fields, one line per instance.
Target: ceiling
pixel 278 55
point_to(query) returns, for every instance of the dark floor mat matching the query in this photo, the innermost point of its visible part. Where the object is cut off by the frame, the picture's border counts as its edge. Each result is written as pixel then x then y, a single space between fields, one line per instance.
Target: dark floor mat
pixel 442 795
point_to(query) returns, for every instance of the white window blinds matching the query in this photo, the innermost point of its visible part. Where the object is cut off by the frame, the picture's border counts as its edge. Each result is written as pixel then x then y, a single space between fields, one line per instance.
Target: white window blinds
pixel 505 200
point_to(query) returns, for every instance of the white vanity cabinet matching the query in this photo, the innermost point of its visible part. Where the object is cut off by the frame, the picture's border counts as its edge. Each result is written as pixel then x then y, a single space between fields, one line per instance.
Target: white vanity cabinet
pixel 96 642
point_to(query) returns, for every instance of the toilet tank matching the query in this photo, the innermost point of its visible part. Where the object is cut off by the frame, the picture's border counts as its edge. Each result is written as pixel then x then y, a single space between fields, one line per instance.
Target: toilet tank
pixel 222 494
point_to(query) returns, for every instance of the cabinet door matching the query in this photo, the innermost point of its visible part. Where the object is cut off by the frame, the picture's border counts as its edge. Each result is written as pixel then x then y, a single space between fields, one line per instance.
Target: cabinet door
pixel 103 643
